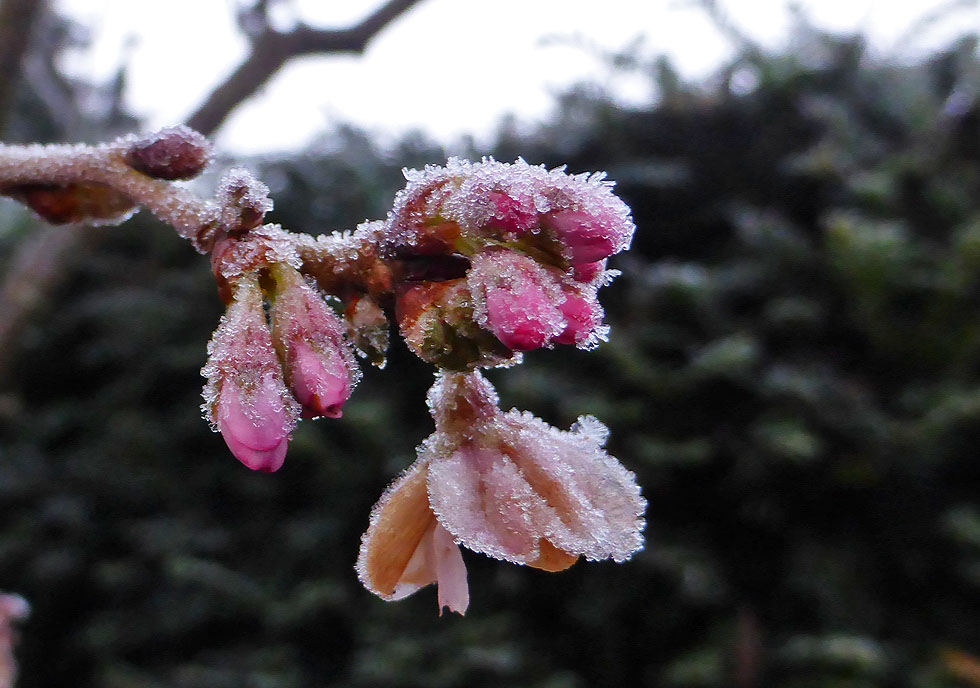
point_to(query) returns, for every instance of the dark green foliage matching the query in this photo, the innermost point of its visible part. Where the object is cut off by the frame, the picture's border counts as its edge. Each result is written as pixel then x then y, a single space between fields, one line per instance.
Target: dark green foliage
pixel 794 374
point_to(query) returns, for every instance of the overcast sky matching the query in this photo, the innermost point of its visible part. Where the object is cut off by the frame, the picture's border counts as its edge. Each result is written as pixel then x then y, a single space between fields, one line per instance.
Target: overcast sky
pixel 449 67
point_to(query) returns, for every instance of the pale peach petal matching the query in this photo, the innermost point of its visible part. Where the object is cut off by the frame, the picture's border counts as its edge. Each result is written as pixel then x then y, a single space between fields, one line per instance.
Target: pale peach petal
pixel 552 559
pixel 399 521
pixel 475 511
pixel 596 498
pixel 405 548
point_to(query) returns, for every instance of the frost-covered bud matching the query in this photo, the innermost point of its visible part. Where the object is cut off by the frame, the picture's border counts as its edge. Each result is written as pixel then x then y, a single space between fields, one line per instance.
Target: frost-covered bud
pixel 243 199
pixel 587 238
pixel 367 327
pixel 172 153
pixel 489 202
pixel 583 320
pixel 255 422
pixel 437 323
pixel 245 398
pixel 59 204
pixel 309 338
pixel 516 299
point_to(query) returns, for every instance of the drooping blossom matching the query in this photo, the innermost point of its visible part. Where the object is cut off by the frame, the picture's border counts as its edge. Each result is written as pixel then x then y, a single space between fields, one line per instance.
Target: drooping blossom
pixel 504 484
pixel 310 339
pixel 245 398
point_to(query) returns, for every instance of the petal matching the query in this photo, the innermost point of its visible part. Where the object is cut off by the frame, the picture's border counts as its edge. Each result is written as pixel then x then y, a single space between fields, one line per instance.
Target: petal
pixel 552 559
pixel 255 426
pixel 399 522
pixel 483 500
pixel 596 499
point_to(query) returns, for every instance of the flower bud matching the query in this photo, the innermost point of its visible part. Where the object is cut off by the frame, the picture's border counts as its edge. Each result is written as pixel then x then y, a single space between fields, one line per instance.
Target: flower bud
pixel 586 238
pixel 309 338
pixel 172 153
pixel 245 398
pixel 244 200
pixel 254 423
pixel 320 381
pixel 588 272
pixel 583 319
pixel 437 323
pixel 367 327
pixel 517 300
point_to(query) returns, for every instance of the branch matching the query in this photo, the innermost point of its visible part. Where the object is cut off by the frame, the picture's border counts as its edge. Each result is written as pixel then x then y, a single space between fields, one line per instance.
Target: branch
pixel 271 49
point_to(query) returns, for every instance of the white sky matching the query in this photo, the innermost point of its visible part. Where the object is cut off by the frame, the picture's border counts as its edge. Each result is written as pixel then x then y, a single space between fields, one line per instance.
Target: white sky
pixel 449 67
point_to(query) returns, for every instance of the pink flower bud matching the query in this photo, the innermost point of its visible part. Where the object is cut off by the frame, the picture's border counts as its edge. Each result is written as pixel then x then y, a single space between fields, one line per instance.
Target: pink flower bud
pixel 245 398
pixel 518 300
pixel 587 272
pixel 582 316
pixel 522 317
pixel 255 424
pixel 586 238
pixel 309 338
pixel 320 382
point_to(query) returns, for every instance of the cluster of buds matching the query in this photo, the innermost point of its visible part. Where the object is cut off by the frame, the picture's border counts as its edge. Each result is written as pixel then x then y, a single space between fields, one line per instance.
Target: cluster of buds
pixel 265 372
pixel 496 259
pixel 476 263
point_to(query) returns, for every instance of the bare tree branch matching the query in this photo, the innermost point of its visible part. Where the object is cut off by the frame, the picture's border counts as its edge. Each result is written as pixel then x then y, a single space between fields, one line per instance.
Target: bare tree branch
pixel 38 266
pixel 17 18
pixel 271 49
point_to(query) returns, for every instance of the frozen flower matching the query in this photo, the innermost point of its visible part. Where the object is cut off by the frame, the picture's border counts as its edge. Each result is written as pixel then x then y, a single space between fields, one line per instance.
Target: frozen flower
pixel 504 484
pixel 311 343
pixel 245 398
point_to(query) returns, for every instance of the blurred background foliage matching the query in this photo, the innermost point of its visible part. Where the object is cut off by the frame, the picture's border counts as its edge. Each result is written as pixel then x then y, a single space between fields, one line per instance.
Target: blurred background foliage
pixel 794 375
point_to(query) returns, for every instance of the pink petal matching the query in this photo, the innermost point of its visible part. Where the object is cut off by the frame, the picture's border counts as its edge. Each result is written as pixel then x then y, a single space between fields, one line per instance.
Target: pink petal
pixel 481 498
pixel 582 317
pixel 595 497
pixel 454 592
